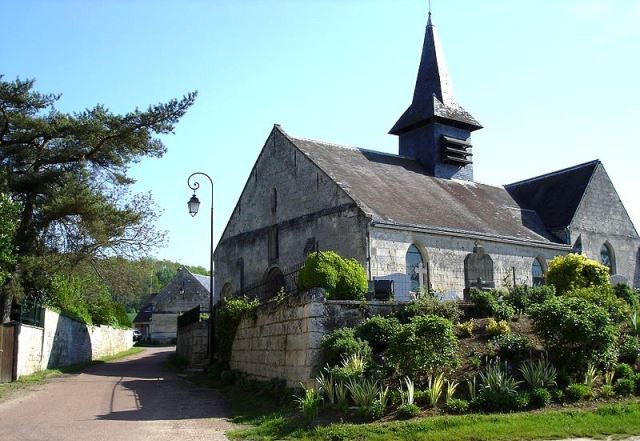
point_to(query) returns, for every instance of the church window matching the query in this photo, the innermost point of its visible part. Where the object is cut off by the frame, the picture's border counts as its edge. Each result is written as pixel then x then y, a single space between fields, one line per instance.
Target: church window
pixel 415 261
pixel 274 245
pixel 606 257
pixel 274 201
pixel 537 272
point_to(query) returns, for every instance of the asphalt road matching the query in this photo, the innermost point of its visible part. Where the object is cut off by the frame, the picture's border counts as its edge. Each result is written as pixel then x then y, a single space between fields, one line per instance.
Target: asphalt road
pixel 133 399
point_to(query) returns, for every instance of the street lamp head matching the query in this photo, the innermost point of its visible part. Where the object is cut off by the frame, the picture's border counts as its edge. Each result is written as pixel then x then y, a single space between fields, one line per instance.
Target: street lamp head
pixel 194 205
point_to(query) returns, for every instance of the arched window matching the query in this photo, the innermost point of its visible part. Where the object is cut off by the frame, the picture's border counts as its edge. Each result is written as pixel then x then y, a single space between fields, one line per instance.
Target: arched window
pixel 537 272
pixel 413 261
pixel 607 258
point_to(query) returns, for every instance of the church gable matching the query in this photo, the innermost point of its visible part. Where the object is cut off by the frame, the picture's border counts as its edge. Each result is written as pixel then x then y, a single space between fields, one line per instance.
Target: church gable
pixel 182 293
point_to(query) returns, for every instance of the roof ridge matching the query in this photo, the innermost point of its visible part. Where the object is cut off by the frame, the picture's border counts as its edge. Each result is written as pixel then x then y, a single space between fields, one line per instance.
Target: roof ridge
pixel 350 147
pixel 554 173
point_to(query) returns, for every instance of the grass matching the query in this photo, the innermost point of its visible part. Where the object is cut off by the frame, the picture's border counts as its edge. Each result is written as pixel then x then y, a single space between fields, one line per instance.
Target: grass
pixel 40 377
pixel 271 424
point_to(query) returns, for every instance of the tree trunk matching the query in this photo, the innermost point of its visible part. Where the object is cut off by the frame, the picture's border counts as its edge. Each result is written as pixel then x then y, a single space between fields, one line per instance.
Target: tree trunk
pixel 6 299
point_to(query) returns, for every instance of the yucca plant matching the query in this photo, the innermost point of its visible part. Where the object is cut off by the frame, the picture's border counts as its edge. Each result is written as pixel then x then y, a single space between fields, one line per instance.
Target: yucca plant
pixel 472 388
pixel 538 374
pixel 383 396
pixel 354 362
pixel 497 379
pixel 407 396
pixel 327 386
pixel 435 388
pixel 451 389
pixel 363 392
pixel 634 322
pixel 342 395
pixel 591 376
pixel 309 402
pixel 608 377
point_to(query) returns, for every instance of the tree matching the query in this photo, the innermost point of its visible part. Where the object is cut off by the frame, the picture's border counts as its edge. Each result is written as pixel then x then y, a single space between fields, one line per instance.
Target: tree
pixel 8 222
pixel 574 271
pixel 68 174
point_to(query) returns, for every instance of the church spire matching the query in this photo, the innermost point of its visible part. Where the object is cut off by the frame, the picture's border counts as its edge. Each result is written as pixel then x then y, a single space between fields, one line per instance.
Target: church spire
pixel 434 108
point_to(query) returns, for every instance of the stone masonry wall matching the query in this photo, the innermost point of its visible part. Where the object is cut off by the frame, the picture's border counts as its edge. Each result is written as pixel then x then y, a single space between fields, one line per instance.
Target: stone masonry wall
pixel 192 343
pixel 283 340
pixel 63 342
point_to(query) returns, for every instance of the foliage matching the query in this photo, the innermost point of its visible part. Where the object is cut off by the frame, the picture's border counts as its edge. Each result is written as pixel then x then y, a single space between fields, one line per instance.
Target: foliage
pixel 422 346
pixel 226 322
pixel 623 370
pixel 500 401
pixel 575 271
pixel 629 349
pixel 539 397
pixel 484 302
pixel 624 386
pixel 496 378
pixel 452 386
pixel 607 391
pixel 8 222
pixel 591 376
pixel 343 343
pixel 407 411
pixel 538 374
pixel 457 406
pixel 343 279
pixel 351 367
pixel 327 386
pixel 465 329
pixel 407 396
pixel 363 391
pixel 575 331
pixel 495 328
pixel 430 305
pixel 435 386
pixel 309 402
pixel 604 297
pixel 511 346
pixel 69 174
pixel 472 387
pixel 522 296
pixel 628 294
pixel 377 331
pixel 577 392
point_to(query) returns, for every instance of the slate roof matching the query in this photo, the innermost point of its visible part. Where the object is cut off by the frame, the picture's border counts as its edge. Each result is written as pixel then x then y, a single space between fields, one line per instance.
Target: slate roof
pixel 144 315
pixel 204 280
pixel 554 196
pixel 397 190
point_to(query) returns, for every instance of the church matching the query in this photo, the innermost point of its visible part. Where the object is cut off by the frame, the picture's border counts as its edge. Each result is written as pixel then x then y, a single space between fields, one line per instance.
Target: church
pixel 417 218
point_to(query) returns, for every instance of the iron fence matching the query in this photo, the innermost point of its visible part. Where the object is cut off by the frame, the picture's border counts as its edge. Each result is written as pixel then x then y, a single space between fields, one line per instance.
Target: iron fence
pixel 277 282
pixel 28 312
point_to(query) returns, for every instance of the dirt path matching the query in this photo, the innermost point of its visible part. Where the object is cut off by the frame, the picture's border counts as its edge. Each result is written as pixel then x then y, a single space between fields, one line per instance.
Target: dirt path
pixel 133 399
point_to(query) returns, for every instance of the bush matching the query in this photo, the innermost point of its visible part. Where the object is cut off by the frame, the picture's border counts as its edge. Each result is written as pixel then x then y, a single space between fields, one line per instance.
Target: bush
pixel 424 345
pixel 465 329
pixel 408 411
pixel 430 305
pixel 343 343
pixel 457 406
pixel 624 386
pixel 342 279
pixel 511 346
pixel 522 296
pixel 575 332
pixel 539 398
pixel 626 293
pixel 629 351
pixel 500 401
pixel 607 391
pixel 226 322
pixel 604 297
pixel 494 328
pixel 484 302
pixel 574 271
pixel 623 370
pixel 377 331
pixel 577 392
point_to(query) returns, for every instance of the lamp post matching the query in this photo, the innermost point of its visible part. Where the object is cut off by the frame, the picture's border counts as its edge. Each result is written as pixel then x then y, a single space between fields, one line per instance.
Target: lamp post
pixel 194 205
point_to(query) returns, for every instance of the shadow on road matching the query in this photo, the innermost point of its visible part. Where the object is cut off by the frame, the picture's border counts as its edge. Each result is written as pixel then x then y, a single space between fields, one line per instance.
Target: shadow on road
pixel 148 391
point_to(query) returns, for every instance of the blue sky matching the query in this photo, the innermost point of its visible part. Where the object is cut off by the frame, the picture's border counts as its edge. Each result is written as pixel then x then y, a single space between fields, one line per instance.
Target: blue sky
pixel 554 82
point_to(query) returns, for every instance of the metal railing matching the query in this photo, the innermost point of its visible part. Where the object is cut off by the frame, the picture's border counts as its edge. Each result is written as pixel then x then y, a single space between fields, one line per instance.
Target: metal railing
pixel 279 282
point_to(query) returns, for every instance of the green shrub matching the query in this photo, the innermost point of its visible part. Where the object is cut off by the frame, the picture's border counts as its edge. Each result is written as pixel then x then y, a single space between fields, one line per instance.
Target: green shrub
pixel 629 349
pixel 407 411
pixel 342 279
pixel 577 392
pixel 575 332
pixel 226 321
pixel 607 391
pixel 484 302
pixel 626 293
pixel 457 406
pixel 430 305
pixel 538 374
pixel 422 346
pixel 67 295
pixel 623 370
pixel 574 271
pixel 465 329
pixel 500 401
pixel 637 378
pixel 343 343
pixel 624 386
pixel 309 402
pixel 374 411
pixel 604 297
pixel 494 328
pixel 522 296
pixel 539 398
pixel 351 368
pixel 377 331
pixel 511 346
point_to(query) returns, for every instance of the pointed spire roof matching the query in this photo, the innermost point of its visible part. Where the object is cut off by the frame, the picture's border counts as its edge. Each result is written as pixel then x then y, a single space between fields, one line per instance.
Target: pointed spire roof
pixel 433 96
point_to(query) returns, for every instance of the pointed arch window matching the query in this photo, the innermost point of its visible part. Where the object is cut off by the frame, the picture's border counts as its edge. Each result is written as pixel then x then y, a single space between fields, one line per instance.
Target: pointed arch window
pixel 607 257
pixel 413 261
pixel 537 272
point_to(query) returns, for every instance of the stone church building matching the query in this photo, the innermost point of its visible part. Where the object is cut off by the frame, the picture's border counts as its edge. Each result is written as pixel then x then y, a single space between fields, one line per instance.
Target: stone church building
pixel 418 218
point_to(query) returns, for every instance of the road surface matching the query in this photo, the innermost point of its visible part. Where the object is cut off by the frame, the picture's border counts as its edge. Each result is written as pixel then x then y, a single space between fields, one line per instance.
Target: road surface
pixel 136 398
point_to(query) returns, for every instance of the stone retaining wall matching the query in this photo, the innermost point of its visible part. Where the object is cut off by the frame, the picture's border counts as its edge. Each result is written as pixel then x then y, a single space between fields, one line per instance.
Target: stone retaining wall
pixel 64 341
pixel 192 343
pixel 282 340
